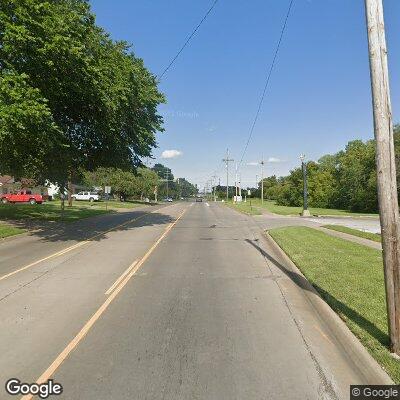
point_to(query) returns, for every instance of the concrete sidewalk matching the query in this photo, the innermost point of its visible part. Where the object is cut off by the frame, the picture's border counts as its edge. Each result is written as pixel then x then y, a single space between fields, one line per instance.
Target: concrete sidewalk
pixel 267 222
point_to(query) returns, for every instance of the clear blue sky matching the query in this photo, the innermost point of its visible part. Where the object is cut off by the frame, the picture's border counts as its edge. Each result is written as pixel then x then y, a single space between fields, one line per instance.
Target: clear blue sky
pixel 319 96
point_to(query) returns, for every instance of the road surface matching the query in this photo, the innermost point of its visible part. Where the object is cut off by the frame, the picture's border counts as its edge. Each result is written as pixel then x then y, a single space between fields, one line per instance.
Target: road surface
pixel 185 301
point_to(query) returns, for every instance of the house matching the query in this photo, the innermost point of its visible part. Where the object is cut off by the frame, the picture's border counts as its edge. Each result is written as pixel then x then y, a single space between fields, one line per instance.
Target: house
pixel 8 184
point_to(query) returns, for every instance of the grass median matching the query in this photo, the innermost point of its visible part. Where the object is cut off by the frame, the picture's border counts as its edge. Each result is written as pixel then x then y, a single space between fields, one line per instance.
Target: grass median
pixel 376 237
pixel 7 230
pixel 350 278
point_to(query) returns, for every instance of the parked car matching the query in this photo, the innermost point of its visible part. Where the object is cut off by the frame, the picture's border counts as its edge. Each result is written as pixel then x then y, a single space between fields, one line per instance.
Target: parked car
pixel 22 196
pixel 88 196
pixel 199 199
pixel 168 199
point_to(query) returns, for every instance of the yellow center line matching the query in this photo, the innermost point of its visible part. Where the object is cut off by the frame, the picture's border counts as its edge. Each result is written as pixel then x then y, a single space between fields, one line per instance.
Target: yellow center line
pixel 82 333
pixel 120 278
pixel 75 246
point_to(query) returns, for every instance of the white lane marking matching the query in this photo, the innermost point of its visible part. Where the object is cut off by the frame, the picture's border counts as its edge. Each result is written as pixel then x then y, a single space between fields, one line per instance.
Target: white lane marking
pixel 207 205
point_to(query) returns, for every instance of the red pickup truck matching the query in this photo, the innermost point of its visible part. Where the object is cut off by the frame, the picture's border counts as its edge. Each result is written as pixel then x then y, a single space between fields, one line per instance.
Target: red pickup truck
pixel 23 196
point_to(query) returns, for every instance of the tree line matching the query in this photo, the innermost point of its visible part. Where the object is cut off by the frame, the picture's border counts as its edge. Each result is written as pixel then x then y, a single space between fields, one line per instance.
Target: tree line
pixel 345 180
pixel 72 99
pixel 143 183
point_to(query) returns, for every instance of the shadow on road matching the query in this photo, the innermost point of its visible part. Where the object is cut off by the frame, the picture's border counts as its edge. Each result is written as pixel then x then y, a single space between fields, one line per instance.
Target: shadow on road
pixel 338 306
pixel 94 228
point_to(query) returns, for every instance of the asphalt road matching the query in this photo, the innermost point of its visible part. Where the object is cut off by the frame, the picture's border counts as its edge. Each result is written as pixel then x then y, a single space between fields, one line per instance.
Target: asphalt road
pixel 205 311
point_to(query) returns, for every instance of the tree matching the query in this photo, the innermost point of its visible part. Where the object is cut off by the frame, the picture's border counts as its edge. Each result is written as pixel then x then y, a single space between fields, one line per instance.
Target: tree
pixel 163 171
pixel 357 177
pixel 344 180
pixel 270 187
pixel 147 181
pixel 185 188
pixel 98 94
pixel 123 183
pixel 290 191
pixel 31 144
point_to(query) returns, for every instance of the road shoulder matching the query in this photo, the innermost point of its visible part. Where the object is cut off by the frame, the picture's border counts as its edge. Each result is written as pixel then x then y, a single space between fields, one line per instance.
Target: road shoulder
pixel 363 362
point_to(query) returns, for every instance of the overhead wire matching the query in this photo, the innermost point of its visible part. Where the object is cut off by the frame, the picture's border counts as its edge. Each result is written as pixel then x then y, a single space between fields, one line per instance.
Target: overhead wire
pixel 268 78
pixel 166 69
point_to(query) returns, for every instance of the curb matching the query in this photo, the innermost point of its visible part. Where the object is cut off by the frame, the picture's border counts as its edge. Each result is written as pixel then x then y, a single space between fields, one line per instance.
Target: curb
pixel 373 217
pixel 13 237
pixel 357 353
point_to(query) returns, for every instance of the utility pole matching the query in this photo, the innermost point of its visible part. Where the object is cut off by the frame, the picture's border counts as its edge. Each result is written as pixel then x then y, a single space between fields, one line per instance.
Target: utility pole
pixel 227 160
pixel 262 180
pixel 236 183
pixel 306 212
pixel 385 165
pixel 167 177
pixel 215 183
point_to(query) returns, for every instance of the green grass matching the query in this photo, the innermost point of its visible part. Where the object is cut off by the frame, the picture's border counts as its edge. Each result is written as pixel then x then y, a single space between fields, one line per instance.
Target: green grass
pixel 244 208
pixel 48 211
pixel 350 278
pixel 7 230
pixel 271 206
pixel 102 204
pixel 376 237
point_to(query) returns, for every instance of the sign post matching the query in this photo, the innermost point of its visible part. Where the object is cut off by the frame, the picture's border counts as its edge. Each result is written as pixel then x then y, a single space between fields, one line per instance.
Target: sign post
pixel 107 191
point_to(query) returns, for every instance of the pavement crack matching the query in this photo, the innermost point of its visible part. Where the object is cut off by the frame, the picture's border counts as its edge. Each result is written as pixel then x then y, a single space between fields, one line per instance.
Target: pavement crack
pixel 23 286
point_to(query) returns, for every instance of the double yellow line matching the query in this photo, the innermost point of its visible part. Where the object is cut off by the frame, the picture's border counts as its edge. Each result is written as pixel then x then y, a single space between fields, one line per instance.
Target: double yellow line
pixel 77 245
pixel 118 286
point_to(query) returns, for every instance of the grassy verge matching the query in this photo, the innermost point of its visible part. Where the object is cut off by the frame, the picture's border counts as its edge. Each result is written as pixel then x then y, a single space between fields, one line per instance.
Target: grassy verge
pixel 47 212
pixel 102 204
pixel 376 237
pixel 271 206
pixel 349 277
pixel 244 208
pixel 7 230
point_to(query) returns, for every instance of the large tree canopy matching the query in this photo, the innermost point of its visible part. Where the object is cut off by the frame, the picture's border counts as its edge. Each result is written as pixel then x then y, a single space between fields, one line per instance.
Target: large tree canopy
pixel 344 180
pixel 94 101
pixel 29 138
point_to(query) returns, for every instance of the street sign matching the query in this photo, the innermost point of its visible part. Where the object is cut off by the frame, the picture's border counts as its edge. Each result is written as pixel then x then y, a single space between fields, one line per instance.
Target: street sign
pixel 107 189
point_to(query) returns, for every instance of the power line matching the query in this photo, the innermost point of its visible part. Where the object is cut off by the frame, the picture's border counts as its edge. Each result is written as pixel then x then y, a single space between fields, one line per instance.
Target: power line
pixel 268 79
pixel 188 40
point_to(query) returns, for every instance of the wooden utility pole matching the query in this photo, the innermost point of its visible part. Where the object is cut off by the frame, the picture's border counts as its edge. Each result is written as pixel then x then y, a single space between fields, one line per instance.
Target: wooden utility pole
pixel 385 166
pixel 227 160
pixel 262 163
pixel 236 183
pixel 214 177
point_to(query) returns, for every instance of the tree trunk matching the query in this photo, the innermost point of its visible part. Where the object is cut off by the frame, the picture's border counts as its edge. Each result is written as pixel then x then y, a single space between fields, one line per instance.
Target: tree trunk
pixel 70 189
